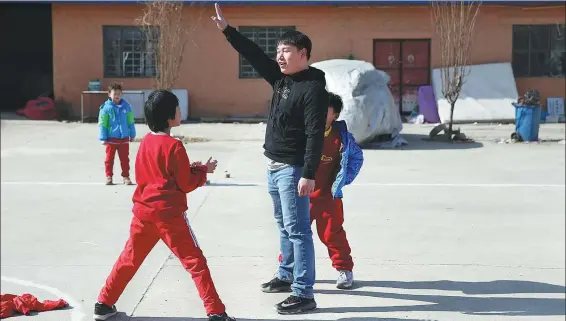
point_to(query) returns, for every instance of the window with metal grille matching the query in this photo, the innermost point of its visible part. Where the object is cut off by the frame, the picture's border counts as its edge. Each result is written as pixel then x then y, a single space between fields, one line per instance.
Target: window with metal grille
pixel 128 52
pixel 266 38
pixel 539 50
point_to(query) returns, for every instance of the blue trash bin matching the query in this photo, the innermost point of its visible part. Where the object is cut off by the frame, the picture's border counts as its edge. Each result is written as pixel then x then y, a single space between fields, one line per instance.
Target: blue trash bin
pixel 527 122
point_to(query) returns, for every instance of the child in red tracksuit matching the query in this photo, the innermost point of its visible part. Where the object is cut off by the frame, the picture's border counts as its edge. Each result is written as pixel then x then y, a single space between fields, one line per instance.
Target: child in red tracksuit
pixel 340 163
pixel 164 177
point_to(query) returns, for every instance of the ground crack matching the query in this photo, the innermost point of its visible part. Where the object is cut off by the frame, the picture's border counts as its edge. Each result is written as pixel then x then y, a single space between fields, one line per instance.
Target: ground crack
pixel 149 285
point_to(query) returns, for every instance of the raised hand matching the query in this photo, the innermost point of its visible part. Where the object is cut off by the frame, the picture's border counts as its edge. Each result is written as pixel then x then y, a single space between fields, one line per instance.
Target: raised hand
pixel 211 165
pixel 219 18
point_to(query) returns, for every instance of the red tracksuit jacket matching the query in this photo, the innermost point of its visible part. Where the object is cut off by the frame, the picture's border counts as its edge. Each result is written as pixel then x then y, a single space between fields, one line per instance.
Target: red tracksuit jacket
pixel 164 178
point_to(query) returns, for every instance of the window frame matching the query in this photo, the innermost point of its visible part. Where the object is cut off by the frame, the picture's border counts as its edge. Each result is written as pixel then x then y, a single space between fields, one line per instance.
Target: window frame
pixel 241 59
pixel 530 50
pixel 122 28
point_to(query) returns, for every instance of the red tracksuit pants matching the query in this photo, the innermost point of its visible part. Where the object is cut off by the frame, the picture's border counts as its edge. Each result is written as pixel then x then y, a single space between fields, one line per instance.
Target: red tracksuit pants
pixel 179 237
pixel 122 146
pixel 328 214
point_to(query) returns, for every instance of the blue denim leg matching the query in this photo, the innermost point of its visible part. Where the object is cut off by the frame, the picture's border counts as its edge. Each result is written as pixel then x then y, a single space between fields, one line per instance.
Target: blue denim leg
pixel 293 219
pixel 285 271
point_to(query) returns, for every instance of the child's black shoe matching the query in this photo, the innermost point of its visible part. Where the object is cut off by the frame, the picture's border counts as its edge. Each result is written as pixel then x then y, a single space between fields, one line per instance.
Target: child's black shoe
pixel 276 286
pixel 102 312
pixel 220 317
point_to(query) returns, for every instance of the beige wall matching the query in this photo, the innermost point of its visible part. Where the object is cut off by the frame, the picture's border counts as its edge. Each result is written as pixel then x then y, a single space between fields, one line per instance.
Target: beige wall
pixel 210 66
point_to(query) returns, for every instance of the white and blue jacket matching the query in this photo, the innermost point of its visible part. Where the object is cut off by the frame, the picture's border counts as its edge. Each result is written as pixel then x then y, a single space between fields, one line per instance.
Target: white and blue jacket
pixel 352 159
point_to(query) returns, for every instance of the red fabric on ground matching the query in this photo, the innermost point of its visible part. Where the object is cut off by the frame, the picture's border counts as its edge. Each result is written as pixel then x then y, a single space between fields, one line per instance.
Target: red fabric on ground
pixel 42 108
pixel 26 303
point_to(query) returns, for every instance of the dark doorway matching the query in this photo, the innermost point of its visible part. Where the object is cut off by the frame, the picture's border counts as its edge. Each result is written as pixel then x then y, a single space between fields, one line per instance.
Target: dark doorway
pixel 407 62
pixel 26 55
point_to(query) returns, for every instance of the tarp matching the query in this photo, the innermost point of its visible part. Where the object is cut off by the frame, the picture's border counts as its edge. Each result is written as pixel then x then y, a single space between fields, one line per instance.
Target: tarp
pixel 369 109
pixel 487 95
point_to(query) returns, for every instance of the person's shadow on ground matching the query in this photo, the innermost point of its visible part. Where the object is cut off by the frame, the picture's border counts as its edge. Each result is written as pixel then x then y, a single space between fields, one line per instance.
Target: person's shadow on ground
pixel 470 303
pixel 124 317
pixel 473 305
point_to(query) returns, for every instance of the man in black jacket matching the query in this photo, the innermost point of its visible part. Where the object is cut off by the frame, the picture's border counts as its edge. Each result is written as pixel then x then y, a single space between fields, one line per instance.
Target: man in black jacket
pixel 293 146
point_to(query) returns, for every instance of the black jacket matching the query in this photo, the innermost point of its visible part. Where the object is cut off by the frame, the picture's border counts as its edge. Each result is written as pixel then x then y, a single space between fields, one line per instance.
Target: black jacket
pixel 297 117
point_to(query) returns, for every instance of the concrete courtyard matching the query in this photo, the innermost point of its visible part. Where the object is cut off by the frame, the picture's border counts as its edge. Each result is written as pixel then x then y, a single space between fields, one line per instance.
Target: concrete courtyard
pixel 438 232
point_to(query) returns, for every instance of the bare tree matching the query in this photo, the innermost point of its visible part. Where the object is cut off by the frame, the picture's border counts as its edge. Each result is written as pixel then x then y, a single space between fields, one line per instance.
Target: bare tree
pixel 166 36
pixel 454 23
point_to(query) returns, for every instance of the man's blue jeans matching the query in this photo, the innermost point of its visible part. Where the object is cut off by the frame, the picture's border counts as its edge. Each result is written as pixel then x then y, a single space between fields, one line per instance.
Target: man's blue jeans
pixel 295 235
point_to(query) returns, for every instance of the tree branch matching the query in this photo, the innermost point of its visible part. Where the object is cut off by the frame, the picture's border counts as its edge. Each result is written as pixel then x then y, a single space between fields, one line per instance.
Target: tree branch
pixel 166 36
pixel 454 23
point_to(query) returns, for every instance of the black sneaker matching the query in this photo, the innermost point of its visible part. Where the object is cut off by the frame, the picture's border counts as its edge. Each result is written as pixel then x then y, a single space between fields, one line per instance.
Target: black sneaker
pixel 295 305
pixel 102 312
pixel 220 317
pixel 276 286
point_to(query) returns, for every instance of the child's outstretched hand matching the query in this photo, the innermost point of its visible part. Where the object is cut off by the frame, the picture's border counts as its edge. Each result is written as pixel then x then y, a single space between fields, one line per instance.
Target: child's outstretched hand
pixel 211 165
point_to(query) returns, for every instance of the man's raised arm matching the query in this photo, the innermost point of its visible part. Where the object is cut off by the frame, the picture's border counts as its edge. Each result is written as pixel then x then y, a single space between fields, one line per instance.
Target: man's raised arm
pixel 262 63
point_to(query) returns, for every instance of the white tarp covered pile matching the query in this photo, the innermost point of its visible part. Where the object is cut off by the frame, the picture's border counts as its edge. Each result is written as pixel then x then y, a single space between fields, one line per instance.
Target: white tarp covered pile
pixel 486 95
pixel 369 109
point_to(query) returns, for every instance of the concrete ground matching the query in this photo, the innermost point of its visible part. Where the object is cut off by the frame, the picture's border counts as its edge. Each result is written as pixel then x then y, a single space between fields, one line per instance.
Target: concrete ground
pixel 439 232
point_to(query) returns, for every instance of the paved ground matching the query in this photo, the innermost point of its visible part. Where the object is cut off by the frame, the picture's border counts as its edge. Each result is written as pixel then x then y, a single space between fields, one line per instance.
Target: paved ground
pixel 465 232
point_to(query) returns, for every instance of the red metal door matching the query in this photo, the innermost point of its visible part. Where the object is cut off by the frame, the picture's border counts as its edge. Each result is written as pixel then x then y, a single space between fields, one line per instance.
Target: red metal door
pixel 386 57
pixel 415 71
pixel 407 61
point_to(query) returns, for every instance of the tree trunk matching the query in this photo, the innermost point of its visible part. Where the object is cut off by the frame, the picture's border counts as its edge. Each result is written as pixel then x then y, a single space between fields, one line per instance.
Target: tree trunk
pixel 451 118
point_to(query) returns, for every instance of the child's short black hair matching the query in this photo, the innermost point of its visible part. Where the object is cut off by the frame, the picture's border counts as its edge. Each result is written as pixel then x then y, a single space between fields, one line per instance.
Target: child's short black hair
pixel 114 86
pixel 296 39
pixel 335 102
pixel 161 106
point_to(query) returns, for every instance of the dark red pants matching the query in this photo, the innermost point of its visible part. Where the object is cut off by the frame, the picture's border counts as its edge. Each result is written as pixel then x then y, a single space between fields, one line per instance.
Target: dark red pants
pixel 328 215
pixel 179 237
pixel 123 148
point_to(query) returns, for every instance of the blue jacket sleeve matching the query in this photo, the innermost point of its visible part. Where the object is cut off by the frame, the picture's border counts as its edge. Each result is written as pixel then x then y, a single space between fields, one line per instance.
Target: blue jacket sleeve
pixel 131 121
pixel 103 124
pixel 355 159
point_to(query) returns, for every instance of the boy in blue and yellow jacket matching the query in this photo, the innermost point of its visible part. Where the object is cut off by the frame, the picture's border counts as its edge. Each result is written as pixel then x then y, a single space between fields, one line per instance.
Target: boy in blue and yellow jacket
pixel 117 130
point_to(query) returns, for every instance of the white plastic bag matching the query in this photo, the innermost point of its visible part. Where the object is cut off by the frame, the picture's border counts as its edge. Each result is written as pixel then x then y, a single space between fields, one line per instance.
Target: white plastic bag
pixel 369 109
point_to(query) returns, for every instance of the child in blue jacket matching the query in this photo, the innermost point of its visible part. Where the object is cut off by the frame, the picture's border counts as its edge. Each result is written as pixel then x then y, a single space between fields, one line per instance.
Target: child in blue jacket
pixel 117 130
